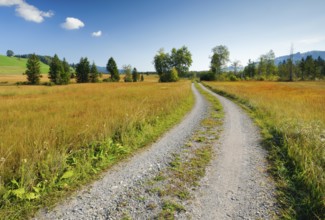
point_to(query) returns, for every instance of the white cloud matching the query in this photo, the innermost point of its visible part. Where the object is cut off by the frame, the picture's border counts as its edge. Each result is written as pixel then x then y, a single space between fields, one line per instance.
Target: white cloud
pixel 97 34
pixel 72 23
pixel 27 11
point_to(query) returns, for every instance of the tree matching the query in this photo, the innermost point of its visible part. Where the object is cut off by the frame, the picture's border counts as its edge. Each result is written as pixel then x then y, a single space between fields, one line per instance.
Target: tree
pixel 10 53
pixel 112 69
pixel 219 58
pixel 270 65
pixel 302 68
pixel 142 78
pixel 56 69
pixel 59 72
pixel 94 75
pixel 135 75
pixel 127 72
pixel 181 59
pixel 310 67
pixel 66 74
pixel 82 70
pixel 33 71
pixel 250 69
pixel 162 62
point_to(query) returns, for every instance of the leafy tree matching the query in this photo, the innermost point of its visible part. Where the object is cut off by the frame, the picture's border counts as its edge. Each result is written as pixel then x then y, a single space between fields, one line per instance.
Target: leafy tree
pixel 219 59
pixel 82 70
pixel 135 75
pixel 33 71
pixel 181 59
pixel 94 75
pixel 127 72
pixel 10 53
pixel 162 62
pixel 112 69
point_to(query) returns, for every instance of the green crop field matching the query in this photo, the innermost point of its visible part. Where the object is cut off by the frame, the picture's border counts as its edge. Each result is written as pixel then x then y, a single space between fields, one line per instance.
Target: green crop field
pixel 14 66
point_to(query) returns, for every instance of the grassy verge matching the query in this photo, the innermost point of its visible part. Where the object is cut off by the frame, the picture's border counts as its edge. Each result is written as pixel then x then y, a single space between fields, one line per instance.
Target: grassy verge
pixel 58 171
pixel 296 150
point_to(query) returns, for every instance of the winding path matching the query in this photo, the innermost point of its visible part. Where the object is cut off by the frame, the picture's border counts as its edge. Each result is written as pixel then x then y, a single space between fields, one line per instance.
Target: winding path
pixel 236 185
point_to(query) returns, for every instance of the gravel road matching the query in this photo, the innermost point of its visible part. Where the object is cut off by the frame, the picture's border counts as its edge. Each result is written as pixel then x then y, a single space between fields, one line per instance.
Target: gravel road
pixel 236 185
pixel 99 199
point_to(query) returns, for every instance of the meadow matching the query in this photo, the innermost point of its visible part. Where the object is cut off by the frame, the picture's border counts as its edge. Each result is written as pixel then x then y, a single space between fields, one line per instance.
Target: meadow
pixel 54 138
pixel 14 65
pixel 292 118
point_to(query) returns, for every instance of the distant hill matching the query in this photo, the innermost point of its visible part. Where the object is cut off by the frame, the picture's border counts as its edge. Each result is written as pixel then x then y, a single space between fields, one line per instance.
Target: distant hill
pixel 15 65
pixel 298 56
pixel 101 69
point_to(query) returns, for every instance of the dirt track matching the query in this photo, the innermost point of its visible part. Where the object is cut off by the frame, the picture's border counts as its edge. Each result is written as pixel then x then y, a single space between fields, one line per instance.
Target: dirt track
pixel 236 185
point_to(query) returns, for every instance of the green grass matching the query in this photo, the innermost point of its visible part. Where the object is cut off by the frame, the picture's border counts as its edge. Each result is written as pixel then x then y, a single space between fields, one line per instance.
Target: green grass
pixel 14 65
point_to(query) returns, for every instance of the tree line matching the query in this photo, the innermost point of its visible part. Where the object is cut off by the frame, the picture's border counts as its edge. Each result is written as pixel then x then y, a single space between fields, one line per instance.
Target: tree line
pixel 60 72
pixel 171 66
pixel 264 69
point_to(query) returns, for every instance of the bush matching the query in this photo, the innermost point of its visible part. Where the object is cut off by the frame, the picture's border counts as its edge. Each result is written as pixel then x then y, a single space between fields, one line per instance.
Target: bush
pixel 171 76
pixel 208 76
pixel 232 77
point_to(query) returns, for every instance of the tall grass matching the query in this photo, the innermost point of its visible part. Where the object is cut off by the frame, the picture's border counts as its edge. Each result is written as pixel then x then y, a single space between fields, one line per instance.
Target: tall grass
pixel 293 118
pixel 54 137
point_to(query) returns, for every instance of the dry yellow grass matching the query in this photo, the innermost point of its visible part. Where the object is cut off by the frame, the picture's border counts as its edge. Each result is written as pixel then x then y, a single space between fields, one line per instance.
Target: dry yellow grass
pixel 303 101
pixel 297 111
pixel 10 79
pixel 40 124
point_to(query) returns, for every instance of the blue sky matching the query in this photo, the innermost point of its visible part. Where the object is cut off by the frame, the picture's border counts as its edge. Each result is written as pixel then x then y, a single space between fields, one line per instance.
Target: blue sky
pixel 132 31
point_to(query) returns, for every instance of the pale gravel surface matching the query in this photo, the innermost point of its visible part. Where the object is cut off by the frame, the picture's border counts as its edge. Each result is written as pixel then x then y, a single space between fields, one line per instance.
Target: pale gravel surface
pixel 236 185
pixel 98 200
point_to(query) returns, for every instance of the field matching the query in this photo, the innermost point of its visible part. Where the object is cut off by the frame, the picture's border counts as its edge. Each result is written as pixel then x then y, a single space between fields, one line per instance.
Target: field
pixel 16 66
pixel 292 116
pixel 53 138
